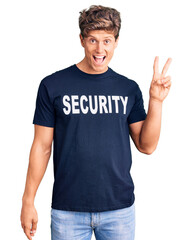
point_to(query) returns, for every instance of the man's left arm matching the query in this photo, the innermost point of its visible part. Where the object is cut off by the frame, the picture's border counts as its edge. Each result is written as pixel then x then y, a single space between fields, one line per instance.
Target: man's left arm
pixel 145 134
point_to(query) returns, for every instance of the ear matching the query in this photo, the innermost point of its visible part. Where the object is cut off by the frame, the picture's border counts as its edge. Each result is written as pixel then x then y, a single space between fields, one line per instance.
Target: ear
pixel 82 40
pixel 116 42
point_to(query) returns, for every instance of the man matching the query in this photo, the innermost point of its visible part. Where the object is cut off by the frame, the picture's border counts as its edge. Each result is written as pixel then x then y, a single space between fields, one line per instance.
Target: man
pixel 90 110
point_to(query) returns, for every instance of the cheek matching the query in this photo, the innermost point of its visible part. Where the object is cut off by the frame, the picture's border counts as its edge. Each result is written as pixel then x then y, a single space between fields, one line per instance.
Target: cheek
pixel 88 52
pixel 110 53
pixel 89 49
pixel 110 50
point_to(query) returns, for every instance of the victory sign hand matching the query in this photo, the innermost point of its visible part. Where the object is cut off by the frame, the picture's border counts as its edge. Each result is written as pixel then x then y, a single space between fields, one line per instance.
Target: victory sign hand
pixel 160 85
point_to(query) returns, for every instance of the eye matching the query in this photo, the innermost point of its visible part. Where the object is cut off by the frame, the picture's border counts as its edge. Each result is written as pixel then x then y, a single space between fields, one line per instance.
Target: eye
pixel 107 41
pixel 92 40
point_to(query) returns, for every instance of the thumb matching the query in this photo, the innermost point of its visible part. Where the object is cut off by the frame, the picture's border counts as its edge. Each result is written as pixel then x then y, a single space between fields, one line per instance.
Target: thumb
pixel 157 82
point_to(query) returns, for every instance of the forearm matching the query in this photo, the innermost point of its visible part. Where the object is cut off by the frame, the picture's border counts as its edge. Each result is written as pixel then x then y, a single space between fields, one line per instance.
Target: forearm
pixel 38 161
pixel 150 131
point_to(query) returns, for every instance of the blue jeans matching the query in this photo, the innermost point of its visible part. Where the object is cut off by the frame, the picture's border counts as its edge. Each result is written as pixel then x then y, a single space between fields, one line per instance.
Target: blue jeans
pixel 107 225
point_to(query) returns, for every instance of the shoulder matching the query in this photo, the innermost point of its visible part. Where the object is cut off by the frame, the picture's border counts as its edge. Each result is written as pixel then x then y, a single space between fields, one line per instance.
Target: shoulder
pixel 126 79
pixel 56 76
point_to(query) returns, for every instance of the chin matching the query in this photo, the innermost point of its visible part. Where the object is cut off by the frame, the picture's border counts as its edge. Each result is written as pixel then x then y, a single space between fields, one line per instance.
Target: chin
pixel 99 68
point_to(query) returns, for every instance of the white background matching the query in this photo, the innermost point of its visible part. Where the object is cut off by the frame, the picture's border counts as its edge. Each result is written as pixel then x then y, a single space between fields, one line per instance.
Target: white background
pixel 41 37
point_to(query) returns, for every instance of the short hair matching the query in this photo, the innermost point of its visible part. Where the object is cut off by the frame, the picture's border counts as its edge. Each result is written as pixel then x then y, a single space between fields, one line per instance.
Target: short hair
pixel 98 17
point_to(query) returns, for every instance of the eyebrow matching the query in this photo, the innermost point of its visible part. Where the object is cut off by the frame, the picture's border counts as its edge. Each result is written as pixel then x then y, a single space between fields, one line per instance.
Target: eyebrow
pixel 104 37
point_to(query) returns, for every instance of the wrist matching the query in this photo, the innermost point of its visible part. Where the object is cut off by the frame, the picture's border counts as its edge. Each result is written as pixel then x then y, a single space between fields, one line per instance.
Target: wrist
pixel 156 101
pixel 27 200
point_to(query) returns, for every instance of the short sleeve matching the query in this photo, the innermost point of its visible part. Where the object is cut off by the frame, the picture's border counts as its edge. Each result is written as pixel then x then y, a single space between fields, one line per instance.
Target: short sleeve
pixel 138 111
pixel 44 111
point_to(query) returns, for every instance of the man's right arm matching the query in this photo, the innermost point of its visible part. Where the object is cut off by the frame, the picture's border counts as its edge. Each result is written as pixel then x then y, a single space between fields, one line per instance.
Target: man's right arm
pixel 38 161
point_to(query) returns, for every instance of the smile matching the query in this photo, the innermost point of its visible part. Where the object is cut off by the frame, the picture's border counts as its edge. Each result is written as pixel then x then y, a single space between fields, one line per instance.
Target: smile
pixel 99 59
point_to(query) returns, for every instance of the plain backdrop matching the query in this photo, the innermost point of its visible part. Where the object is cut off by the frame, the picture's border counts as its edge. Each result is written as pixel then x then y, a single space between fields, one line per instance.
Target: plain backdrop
pixel 41 37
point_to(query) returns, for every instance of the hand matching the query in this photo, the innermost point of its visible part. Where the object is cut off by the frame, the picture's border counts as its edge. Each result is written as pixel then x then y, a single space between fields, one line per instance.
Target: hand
pixel 29 219
pixel 160 84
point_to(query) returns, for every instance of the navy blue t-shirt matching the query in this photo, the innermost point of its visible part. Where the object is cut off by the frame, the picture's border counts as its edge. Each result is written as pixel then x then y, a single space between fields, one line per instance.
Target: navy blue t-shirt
pixel 90 114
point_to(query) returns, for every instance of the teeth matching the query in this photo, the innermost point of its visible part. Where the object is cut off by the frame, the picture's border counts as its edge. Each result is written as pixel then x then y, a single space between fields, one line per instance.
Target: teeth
pixel 99 56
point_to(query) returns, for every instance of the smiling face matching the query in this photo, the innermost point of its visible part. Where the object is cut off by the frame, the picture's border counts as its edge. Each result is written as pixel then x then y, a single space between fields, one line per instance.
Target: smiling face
pixel 99 47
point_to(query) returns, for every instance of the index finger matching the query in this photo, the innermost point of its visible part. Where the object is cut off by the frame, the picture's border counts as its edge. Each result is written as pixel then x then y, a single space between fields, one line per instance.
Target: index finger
pixel 27 232
pixel 156 66
pixel 165 68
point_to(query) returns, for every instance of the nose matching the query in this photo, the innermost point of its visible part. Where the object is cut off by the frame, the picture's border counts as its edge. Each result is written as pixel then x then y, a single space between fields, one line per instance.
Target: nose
pixel 99 47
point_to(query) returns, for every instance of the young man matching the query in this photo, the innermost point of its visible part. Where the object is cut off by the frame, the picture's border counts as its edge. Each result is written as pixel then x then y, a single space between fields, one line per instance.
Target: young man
pixel 90 111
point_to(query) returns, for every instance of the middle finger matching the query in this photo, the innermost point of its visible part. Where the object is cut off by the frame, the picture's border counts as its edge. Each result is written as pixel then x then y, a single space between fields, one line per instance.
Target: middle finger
pixel 165 68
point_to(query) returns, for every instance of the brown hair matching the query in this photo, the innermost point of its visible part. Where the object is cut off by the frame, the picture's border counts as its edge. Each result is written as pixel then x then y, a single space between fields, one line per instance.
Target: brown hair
pixel 98 17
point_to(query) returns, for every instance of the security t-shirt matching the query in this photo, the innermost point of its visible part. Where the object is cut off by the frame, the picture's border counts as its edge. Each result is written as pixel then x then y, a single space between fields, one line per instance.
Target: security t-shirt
pixel 90 114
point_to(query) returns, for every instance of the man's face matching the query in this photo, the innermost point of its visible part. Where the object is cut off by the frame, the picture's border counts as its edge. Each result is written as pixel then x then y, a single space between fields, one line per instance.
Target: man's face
pixel 99 47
